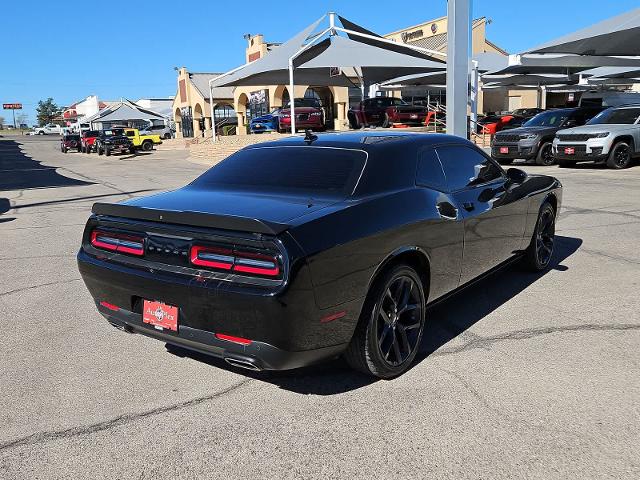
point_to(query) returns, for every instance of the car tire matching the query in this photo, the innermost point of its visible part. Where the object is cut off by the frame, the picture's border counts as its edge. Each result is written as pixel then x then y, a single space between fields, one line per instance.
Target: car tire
pixel 147 145
pixel 64 150
pixel 132 151
pixel 388 335
pixel 107 151
pixel 167 136
pixel 353 121
pixel 620 156
pixel 539 253
pixel 40 133
pixel 545 155
pixel 99 149
pixel 386 123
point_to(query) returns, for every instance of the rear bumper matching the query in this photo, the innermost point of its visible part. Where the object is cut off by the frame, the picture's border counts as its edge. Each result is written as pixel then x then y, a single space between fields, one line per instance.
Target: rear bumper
pixel 255 356
pixel 285 328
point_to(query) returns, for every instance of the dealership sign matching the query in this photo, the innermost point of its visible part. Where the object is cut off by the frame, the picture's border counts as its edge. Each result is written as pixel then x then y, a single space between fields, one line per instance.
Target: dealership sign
pixel 12 106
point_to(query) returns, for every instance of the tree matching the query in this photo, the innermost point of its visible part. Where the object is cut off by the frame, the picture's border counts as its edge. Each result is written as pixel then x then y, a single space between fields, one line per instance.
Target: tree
pixel 47 110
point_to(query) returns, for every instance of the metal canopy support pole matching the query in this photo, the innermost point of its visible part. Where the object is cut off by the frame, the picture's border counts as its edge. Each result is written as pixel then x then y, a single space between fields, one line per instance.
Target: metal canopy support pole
pixel 543 97
pixel 213 119
pixel 473 120
pixel 458 39
pixel 292 98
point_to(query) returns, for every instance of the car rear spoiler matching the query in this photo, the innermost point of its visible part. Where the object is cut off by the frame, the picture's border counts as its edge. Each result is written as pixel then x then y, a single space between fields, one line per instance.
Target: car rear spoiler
pixel 197 219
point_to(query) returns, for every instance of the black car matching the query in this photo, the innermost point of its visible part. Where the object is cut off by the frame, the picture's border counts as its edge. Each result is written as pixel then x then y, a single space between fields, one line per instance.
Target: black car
pixel 303 249
pixel 533 141
pixel 70 141
pixel 112 141
pixel 527 112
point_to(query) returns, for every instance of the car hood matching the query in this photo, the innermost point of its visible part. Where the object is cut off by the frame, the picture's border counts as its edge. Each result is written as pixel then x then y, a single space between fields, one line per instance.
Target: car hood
pixel 301 110
pixel 531 130
pixel 598 128
pixel 264 118
pixel 271 207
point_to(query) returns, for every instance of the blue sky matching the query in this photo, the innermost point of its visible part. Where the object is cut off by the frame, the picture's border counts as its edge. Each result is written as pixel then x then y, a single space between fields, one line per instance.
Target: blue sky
pixel 68 50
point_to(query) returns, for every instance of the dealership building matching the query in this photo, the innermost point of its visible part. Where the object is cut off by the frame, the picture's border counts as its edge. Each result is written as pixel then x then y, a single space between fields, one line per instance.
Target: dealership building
pixel 238 105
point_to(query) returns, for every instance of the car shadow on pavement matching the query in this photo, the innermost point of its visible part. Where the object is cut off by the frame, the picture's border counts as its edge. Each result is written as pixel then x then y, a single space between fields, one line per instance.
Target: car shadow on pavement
pixel 19 171
pixel 445 321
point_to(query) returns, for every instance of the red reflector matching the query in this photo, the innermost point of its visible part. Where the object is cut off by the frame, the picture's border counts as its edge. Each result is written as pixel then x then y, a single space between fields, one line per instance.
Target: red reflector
pixel 229 338
pixel 331 318
pixel 110 306
pixel 117 242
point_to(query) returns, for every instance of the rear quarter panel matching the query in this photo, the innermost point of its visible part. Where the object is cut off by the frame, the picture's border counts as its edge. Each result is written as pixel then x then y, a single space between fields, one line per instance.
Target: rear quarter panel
pixel 346 247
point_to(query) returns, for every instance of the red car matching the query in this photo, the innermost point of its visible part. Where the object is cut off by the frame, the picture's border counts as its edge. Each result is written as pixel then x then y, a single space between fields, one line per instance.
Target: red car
pixel 385 111
pixel 88 140
pixel 70 141
pixel 309 115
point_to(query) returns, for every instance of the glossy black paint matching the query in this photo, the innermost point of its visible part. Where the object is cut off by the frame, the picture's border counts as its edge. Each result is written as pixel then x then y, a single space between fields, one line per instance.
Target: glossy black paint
pixel 331 248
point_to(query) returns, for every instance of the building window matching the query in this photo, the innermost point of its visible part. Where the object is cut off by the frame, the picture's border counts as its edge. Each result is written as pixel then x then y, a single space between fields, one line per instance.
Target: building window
pixel 223 111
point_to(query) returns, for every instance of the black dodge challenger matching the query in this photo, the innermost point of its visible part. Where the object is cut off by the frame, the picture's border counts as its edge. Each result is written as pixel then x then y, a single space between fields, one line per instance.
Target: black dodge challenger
pixel 306 248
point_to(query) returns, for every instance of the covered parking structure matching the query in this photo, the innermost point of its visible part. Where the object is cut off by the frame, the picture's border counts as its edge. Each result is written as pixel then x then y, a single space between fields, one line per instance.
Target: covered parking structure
pixel 125 112
pixel 328 59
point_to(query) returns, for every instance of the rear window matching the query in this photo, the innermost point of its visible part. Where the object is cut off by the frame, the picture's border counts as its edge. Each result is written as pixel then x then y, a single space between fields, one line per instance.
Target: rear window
pixel 304 170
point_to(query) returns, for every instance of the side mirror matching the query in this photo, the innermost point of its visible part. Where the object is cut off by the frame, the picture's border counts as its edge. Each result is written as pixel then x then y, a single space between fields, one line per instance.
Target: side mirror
pixel 571 123
pixel 517 176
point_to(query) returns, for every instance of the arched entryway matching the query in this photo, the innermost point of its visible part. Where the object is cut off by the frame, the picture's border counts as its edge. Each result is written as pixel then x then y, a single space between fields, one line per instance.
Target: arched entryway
pixel 224 115
pixel 325 96
pixel 280 96
pixel 241 113
pixel 177 118
pixel 198 121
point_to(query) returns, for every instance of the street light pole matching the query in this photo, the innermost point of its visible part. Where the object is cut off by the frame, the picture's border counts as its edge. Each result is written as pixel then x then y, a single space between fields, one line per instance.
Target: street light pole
pixel 458 39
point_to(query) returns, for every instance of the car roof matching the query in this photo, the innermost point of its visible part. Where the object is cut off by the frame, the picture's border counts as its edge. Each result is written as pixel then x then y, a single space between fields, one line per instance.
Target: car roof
pixel 368 140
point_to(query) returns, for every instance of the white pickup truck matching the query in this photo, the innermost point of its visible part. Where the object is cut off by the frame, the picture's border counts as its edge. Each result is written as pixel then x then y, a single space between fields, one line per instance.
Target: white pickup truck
pixel 48 129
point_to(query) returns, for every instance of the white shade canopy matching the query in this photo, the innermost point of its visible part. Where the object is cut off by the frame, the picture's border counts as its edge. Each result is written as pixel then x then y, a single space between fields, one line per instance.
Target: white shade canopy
pixel 617 36
pixel 313 57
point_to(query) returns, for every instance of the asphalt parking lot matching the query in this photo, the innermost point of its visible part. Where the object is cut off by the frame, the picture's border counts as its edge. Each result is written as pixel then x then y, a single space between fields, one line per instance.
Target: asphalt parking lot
pixel 523 376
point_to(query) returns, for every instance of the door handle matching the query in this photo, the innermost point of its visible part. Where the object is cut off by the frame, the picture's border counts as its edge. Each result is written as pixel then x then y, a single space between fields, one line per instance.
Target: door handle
pixel 469 206
pixel 448 211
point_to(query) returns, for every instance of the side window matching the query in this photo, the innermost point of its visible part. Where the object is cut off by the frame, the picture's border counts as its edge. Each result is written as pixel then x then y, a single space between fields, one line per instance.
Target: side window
pixel 131 133
pixel 429 173
pixel 464 167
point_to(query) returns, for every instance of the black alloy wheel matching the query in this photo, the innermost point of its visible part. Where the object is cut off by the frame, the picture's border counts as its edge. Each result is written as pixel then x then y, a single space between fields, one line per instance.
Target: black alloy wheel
pixel 390 329
pixel 540 251
pixel 147 145
pixel 620 156
pixel 545 155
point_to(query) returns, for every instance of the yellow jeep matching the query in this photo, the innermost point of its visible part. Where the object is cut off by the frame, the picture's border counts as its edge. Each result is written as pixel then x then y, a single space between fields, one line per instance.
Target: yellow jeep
pixel 144 142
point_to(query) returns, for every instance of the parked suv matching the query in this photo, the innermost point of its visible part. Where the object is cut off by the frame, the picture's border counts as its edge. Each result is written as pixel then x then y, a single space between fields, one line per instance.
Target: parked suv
pixel 70 141
pixel 88 140
pixel 611 137
pixel 164 131
pixel 384 111
pixel 111 141
pixel 533 141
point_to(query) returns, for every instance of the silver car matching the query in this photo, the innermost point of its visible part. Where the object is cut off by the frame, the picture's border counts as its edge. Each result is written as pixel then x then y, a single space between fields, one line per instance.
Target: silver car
pixel 164 131
pixel 611 137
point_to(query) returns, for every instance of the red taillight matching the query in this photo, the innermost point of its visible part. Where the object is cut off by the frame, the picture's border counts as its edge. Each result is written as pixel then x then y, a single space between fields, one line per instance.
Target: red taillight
pixel 117 242
pixel 110 306
pixel 241 262
pixel 257 264
pixel 211 257
pixel 229 338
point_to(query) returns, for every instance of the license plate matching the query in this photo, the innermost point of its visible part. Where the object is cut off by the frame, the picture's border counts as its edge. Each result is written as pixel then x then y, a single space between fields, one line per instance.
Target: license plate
pixel 257 125
pixel 160 315
pixel 569 151
pixel 504 149
pixel 413 115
